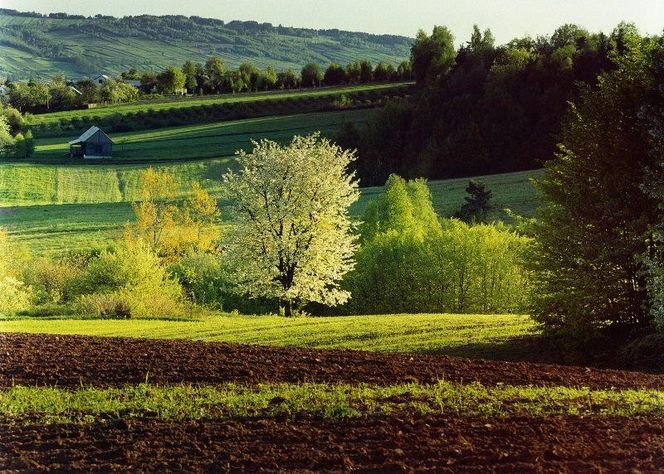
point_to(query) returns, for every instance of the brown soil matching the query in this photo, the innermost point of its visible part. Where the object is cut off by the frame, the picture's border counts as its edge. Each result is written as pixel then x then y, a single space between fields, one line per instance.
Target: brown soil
pixel 441 444
pixel 69 361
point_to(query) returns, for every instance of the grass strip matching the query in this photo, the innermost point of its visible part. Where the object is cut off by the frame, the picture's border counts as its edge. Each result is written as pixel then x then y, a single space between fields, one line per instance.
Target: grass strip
pixel 329 401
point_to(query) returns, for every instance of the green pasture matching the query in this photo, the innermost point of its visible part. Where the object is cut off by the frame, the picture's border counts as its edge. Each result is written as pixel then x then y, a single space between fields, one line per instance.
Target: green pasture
pixel 203 141
pixel 486 336
pixel 81 222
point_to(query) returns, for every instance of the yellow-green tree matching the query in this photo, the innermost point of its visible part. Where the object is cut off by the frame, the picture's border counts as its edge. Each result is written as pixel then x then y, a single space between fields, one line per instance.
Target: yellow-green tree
pixel 172 228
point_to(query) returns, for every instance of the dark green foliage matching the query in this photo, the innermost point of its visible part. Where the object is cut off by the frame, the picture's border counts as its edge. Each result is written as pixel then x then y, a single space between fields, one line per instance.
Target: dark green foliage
pixel 478 203
pixel 484 109
pixel 592 235
pixel 432 56
pixel 311 75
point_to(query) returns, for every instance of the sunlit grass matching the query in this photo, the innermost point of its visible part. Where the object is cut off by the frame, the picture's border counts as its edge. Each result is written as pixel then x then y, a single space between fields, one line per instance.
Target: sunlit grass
pixel 460 334
pixel 328 401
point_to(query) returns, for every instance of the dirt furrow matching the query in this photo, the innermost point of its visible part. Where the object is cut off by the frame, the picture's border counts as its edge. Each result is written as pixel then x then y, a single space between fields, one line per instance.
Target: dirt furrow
pixel 69 361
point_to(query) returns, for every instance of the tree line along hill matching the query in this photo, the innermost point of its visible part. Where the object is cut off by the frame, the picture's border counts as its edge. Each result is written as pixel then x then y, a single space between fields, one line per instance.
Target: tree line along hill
pixel 36 45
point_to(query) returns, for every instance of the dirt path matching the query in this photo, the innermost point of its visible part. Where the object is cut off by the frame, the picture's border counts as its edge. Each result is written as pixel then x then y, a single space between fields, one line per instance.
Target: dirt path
pixel 69 361
pixel 386 445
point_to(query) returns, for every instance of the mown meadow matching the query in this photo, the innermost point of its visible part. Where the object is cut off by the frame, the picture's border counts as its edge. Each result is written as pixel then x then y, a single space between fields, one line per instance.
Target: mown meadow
pixel 91 210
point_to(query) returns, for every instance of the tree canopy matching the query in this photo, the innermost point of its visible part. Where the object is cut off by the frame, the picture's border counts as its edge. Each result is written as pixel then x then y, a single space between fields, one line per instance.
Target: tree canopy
pixel 292 240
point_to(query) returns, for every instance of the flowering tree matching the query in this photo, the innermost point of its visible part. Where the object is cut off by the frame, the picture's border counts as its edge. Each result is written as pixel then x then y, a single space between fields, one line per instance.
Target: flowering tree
pixel 293 236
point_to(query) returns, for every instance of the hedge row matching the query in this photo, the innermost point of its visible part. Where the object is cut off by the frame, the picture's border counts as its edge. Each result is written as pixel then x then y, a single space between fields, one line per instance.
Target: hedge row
pixel 177 116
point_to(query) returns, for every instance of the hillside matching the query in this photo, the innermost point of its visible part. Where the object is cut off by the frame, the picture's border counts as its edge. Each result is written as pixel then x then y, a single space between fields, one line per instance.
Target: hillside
pixel 34 45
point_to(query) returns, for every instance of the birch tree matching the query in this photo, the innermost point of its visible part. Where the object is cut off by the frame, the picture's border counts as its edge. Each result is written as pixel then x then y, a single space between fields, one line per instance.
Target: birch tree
pixel 293 237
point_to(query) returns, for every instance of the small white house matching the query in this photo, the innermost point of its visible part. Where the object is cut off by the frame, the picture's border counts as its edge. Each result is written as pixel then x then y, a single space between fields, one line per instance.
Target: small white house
pixel 4 90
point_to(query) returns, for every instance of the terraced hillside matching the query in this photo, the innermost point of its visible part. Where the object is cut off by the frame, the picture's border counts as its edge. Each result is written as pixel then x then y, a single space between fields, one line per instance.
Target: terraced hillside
pixel 34 46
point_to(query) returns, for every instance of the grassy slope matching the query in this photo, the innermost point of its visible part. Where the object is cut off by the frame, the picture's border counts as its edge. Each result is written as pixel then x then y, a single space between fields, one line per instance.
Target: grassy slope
pixel 469 335
pixel 53 228
pixel 112 50
pixel 206 141
pixel 187 102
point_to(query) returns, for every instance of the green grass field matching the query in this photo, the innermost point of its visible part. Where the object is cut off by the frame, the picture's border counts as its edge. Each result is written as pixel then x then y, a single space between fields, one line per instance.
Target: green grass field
pixel 53 228
pixel 469 335
pixel 172 104
pixel 204 141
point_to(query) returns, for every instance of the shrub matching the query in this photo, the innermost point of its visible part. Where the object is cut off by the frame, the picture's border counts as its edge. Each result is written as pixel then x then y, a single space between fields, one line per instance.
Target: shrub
pixel 14 295
pixel 134 280
pixel 202 279
pixel 104 304
pixel 53 281
pixel 411 261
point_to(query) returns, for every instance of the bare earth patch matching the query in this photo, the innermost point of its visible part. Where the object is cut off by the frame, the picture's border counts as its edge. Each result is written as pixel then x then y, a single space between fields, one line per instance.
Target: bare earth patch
pixel 69 361
pixel 303 443
pixel 441 444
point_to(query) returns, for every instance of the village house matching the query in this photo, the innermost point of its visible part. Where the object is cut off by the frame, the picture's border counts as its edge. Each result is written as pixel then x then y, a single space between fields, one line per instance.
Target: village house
pixel 93 144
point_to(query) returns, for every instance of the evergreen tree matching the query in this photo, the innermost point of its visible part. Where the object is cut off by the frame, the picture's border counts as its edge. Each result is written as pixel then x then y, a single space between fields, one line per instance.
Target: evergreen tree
pixel 478 203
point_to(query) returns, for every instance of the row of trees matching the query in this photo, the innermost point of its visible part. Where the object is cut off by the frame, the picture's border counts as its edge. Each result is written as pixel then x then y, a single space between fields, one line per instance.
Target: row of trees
pixel 213 77
pixel 483 108
pixel 58 94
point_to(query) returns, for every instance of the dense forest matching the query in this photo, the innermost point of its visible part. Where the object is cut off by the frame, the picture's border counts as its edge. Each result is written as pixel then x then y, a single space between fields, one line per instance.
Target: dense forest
pixel 78 45
pixel 484 108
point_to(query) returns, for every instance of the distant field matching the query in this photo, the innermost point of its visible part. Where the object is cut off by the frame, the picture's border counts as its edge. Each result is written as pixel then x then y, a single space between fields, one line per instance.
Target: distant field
pixel 175 103
pixel 54 228
pixel 204 141
pixel 470 335
pixel 205 152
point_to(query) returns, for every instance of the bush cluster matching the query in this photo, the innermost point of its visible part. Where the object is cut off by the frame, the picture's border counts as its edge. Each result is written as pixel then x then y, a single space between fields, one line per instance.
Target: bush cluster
pixel 412 261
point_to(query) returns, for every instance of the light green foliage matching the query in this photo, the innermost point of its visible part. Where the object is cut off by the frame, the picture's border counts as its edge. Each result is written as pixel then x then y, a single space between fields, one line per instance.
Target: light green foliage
pixel 6 139
pixel 54 280
pixel 484 336
pixel 340 401
pixel 203 279
pixel 292 239
pixel 134 282
pixel 171 81
pixel 15 295
pixel 115 92
pixel 411 261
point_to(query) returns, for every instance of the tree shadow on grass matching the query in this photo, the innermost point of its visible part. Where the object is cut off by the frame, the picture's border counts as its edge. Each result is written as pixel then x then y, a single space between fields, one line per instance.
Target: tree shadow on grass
pixel 534 348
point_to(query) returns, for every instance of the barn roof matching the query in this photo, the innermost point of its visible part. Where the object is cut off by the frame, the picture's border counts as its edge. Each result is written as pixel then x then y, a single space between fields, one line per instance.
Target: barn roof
pixel 88 134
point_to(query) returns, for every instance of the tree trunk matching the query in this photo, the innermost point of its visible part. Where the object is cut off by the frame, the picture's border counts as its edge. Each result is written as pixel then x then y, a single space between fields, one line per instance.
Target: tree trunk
pixel 288 308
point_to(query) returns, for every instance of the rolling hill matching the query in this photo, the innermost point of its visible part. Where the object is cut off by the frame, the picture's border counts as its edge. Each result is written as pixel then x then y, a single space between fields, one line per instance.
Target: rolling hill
pixel 34 45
